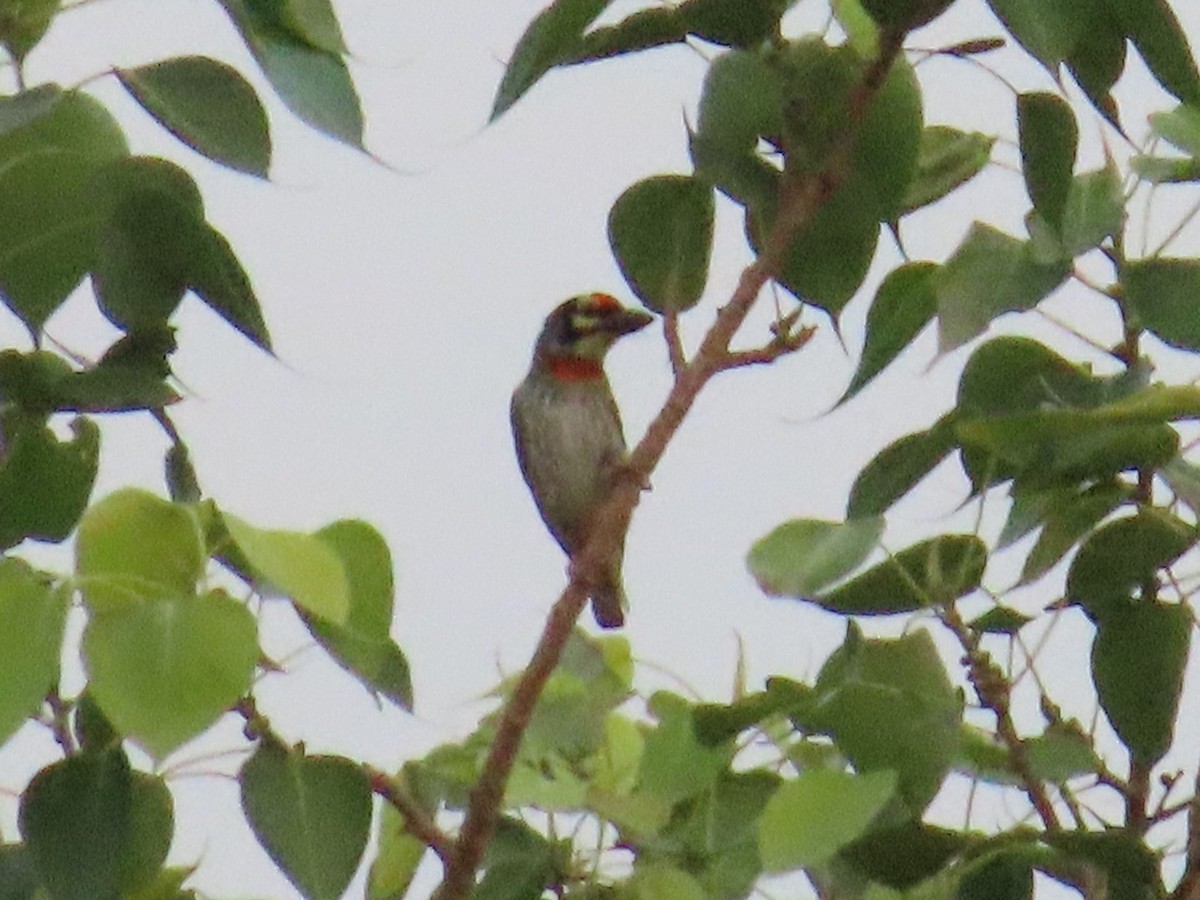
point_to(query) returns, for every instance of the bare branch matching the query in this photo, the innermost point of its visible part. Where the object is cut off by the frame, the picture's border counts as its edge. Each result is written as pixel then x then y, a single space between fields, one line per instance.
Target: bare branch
pixel 417 821
pixel 670 322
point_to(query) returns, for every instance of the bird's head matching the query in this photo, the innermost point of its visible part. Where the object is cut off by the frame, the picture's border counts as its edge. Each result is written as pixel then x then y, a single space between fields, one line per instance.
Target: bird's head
pixel 579 332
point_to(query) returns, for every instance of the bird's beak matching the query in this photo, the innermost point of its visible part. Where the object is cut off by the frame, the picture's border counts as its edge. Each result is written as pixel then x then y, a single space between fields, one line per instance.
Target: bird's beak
pixel 626 321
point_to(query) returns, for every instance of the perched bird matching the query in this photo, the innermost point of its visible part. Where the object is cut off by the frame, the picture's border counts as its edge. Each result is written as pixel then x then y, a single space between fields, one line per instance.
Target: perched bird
pixel 568 431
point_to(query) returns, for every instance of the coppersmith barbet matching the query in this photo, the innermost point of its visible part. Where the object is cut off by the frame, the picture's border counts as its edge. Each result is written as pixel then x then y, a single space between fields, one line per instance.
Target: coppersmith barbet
pixel 568 431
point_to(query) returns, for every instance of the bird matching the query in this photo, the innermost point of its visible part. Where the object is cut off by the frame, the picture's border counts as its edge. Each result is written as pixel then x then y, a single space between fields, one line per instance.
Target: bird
pixel 567 430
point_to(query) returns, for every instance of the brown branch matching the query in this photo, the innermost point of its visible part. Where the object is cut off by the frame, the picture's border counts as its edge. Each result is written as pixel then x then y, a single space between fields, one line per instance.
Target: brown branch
pixel 800 197
pixel 417 820
pixel 780 345
pixel 1189 885
pixel 993 690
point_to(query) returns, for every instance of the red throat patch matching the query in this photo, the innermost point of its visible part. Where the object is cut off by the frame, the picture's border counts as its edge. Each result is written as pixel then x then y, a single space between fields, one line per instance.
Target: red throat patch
pixel 574 368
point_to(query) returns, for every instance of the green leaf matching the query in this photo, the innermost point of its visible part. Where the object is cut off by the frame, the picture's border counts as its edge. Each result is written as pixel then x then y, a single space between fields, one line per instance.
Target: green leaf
pixel 1061 753
pixel 888 705
pixel 733 23
pixel 1130 867
pixel 34 615
pixel 903 855
pixel 1154 30
pixel 715 722
pixel 661 232
pixel 1006 876
pixel 311 80
pixel 164 672
pixel 927 574
pixel 675 765
pixel 999 620
pixel 23 23
pixel 659 881
pixel 130 376
pixel 550 38
pixel 1097 58
pixel 947 158
pixel 219 280
pixel 300 566
pixel 209 106
pixel 18 110
pixel 640 30
pixel 520 862
pixel 1049 141
pixel 1183 477
pixel 742 100
pixel 312 814
pixel 396 861
pixel 1159 170
pixel 152 216
pixel 133 547
pixel 47 235
pixel 1117 561
pixel 1138 662
pixel 75 817
pixel 363 645
pixel 903 306
pixel 801 557
pixel 810 818
pixel 988 275
pixel 904 15
pixel 1179 127
pixel 1095 211
pixel 1048 29
pixel 18 876
pixel 1165 295
pixel 45 483
pixel 898 468
pixel 1071 516
pixel 151 828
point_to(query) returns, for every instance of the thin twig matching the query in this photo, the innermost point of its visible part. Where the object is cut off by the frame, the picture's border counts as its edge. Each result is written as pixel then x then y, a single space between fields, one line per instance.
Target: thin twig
pixel 417 820
pixel 780 345
pixel 801 196
pixel 670 322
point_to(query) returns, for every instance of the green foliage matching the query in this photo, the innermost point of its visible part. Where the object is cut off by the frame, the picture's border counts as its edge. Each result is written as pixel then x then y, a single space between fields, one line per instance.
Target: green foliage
pixel 830 778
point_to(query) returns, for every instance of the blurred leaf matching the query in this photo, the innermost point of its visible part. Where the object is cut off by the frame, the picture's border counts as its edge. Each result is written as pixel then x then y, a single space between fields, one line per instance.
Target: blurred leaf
pixel 1060 754
pixel 45 483
pixel 1165 296
pixel 904 15
pixel 902 855
pixel 861 31
pixel 1179 127
pixel 741 101
pixel 733 23
pixel 808 819
pixel 640 30
pixel 1095 211
pixel 888 705
pixel 988 275
pixel 658 881
pixel 164 672
pixel 927 574
pixel 1154 30
pixel 1160 170
pixel 1070 517
pixel 1006 876
pixel 1048 29
pixel 151 829
pixel 899 467
pixel 661 232
pixel 300 566
pixel 1097 57
pixel 23 23
pixel 312 815
pixel 715 722
pixel 396 861
pixel 219 280
pixel 183 485
pixel 803 556
pixel 1130 867
pixel 363 646
pixel 209 106
pixel 1119 559
pixel 1138 662
pixel 947 159
pixel 1049 141
pixel 999 620
pixel 18 110
pixel 903 306
pixel 134 547
pixel 47 234
pixel 34 614
pixel 1183 477
pixel 311 80
pixel 75 818
pixel 519 863
pixel 675 765
pixel 550 38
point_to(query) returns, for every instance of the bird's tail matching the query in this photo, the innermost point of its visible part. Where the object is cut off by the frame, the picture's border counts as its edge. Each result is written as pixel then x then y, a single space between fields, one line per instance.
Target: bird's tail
pixel 608 599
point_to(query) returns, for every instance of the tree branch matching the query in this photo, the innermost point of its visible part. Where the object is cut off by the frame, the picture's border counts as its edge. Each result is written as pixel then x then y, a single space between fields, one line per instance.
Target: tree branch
pixel 670 321
pixel 801 196
pixel 417 820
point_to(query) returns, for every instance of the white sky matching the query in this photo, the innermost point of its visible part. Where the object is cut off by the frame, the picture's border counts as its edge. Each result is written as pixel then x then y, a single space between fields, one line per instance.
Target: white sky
pixel 404 307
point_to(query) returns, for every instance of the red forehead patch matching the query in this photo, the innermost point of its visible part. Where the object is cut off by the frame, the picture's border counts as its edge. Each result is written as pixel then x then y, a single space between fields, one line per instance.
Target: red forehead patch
pixel 605 301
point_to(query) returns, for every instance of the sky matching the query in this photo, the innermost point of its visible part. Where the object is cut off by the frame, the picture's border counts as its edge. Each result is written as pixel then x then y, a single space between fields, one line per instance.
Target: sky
pixel 403 302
